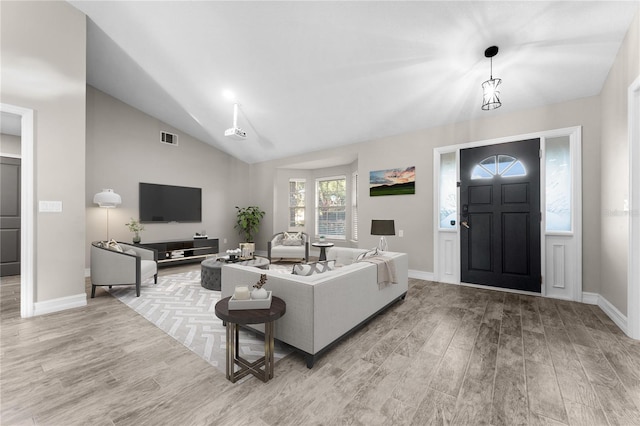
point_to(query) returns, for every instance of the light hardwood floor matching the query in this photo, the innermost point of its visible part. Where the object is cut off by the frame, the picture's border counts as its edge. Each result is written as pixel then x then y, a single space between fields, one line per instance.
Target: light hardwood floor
pixel 446 355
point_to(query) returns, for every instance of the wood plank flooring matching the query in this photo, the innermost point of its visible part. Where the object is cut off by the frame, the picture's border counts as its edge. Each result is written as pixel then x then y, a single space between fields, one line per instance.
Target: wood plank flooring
pixel 447 355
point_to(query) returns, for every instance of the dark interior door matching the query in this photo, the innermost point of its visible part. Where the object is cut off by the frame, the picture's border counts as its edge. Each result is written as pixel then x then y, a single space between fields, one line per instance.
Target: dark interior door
pixel 9 216
pixel 500 215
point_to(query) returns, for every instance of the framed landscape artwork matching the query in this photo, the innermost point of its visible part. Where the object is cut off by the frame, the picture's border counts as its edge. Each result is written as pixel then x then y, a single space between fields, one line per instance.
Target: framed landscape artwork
pixel 392 182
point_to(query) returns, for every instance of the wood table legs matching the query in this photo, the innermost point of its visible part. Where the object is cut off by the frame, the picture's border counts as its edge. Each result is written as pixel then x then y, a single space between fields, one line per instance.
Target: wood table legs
pixel 246 367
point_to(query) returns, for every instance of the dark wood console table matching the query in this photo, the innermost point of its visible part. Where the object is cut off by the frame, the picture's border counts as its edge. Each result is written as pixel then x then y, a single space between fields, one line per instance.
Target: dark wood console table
pixel 234 320
pixel 194 250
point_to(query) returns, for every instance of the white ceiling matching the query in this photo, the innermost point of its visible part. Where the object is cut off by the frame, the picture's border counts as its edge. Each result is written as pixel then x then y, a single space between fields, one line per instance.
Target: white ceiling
pixel 312 75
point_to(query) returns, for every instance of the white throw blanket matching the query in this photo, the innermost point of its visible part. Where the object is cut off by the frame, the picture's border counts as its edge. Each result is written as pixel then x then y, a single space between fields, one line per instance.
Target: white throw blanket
pixel 386 270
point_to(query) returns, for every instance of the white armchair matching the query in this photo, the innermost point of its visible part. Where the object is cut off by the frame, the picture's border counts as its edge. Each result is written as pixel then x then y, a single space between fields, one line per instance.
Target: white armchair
pixel 278 248
pixel 131 266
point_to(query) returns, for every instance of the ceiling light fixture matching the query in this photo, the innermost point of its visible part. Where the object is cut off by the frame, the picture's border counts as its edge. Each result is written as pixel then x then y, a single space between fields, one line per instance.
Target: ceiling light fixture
pixel 490 90
pixel 235 132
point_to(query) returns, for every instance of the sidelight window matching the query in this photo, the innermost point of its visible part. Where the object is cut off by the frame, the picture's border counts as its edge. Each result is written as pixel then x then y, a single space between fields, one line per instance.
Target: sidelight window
pixel 558 188
pixel 448 191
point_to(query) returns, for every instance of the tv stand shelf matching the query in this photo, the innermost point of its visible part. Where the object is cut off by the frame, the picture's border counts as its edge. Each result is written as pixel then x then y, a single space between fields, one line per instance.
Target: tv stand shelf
pixel 183 251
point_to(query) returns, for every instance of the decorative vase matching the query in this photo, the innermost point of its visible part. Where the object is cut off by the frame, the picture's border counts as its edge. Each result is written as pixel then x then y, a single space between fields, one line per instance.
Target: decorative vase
pixel 259 293
pixel 136 238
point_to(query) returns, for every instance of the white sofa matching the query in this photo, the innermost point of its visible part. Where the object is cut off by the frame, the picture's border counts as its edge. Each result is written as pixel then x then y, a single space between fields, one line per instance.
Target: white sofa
pixel 323 308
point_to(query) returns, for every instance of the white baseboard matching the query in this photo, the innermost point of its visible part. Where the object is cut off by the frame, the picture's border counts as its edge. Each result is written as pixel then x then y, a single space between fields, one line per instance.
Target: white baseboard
pixel 612 312
pixel 590 298
pixel 421 275
pixel 60 304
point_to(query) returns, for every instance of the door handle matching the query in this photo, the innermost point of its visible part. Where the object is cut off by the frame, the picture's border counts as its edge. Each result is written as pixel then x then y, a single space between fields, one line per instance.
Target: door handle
pixel 465 224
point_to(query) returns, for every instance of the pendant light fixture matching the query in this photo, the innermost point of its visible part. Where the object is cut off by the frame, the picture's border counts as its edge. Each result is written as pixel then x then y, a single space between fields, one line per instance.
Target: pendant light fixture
pixel 490 90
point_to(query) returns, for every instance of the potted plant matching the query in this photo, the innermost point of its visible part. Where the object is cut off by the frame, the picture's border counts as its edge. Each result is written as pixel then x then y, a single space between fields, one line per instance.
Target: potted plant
pixel 248 221
pixel 135 227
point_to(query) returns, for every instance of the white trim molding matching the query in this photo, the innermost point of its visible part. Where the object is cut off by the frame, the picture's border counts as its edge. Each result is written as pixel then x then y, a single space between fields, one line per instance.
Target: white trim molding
pixel 633 268
pixel 27 228
pixel 608 308
pixel 60 304
pixel 421 275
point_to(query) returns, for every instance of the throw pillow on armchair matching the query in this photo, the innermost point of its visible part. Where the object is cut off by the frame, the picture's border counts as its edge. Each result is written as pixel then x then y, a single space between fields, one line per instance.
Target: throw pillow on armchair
pixel 291 239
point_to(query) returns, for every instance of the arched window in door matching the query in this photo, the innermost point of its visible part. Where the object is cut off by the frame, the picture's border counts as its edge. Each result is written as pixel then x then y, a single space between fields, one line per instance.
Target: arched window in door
pixel 498 165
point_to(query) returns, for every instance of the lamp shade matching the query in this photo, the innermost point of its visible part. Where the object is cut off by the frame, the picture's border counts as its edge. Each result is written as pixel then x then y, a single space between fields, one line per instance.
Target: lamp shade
pixel 107 198
pixel 383 227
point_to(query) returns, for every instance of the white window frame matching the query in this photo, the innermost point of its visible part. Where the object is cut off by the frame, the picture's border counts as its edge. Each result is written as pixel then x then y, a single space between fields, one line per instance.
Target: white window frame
pixel 296 228
pixel 354 206
pixel 317 208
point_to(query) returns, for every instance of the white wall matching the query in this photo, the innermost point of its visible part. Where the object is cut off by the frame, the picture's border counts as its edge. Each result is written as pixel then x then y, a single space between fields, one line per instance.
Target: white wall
pixel 615 169
pixel 124 148
pixel 43 68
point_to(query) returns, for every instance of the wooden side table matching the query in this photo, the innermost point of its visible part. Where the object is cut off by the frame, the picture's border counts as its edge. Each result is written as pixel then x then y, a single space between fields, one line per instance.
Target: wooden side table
pixel 234 320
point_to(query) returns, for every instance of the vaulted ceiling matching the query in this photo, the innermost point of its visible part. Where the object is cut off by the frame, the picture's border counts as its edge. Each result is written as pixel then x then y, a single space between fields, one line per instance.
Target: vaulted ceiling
pixel 313 75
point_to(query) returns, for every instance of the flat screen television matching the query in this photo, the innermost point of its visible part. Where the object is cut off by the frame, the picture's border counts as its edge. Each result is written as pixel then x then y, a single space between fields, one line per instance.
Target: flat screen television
pixel 168 203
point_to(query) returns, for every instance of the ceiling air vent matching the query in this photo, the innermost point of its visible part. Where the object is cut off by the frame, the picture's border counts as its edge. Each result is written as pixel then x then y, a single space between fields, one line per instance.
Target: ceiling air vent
pixel 169 138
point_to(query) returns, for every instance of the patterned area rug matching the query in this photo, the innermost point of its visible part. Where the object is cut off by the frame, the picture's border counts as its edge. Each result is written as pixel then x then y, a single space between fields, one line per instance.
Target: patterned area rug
pixel 183 309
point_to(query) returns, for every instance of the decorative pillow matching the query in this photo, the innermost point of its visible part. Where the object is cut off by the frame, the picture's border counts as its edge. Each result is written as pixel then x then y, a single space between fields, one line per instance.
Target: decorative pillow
pixel 307 269
pixel 372 252
pixel 131 252
pixel 113 245
pixel 292 239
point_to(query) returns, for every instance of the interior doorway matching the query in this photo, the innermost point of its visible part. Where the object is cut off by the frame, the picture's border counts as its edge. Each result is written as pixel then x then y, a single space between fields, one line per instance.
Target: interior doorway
pixel 27 201
pixel 9 215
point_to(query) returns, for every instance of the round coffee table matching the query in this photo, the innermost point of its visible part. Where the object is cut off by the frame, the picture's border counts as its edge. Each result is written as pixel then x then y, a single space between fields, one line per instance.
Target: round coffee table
pixel 210 270
pixel 236 318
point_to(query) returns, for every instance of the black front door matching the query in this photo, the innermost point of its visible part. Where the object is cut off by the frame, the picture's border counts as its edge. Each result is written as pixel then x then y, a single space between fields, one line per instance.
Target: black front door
pixel 500 215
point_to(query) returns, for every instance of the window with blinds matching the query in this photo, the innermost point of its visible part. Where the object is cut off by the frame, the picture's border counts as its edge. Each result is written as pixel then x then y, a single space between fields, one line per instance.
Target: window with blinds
pixel 331 209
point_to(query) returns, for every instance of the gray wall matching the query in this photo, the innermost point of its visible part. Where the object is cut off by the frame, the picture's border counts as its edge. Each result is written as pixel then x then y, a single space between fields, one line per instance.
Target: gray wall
pixel 615 169
pixel 43 68
pixel 124 148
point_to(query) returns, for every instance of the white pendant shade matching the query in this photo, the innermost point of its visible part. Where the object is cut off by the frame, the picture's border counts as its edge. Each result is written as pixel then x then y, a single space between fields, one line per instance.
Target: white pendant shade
pixel 107 198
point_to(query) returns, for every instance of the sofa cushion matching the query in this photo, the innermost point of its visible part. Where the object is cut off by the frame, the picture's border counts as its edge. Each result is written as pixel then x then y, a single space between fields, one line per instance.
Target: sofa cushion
pixel 344 255
pixel 148 268
pixel 313 268
pixel 291 239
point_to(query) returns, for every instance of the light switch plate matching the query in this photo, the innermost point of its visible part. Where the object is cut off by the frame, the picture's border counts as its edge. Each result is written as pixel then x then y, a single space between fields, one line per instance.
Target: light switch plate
pixel 50 206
